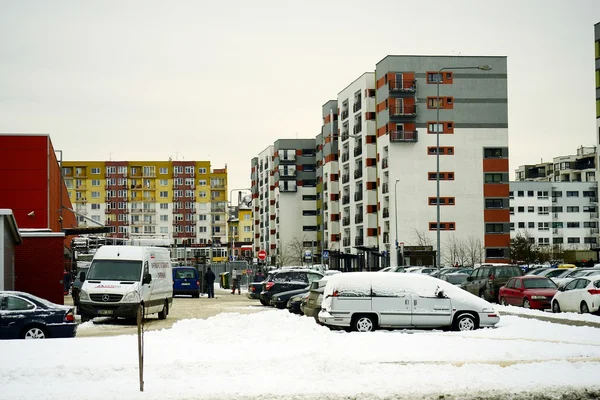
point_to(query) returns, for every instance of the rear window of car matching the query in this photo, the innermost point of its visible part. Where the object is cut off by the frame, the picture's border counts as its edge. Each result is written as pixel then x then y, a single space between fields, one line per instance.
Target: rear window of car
pixel 507 272
pixel 290 277
pixel 185 273
pixel 456 278
pixel 539 284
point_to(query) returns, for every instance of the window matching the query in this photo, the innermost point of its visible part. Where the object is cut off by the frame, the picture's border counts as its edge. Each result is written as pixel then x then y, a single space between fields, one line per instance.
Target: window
pixel 202 217
pixel 95 206
pixel 557 225
pixel 496 253
pixel 592 224
pixel 573 240
pixel 530 193
pixel 444 226
pixel 511 210
pixel 494 228
pixel 95 195
pixel 202 171
pixel 589 193
pixel 202 182
pixel 163 171
pixel 558 240
pixel 247 229
pixel 589 209
pixel 512 226
pixel 443 150
pixel 521 209
pixel 511 195
pixel 95 182
pixel 543 226
pixel 573 224
pixel 164 218
pixel 574 193
pixel 573 209
pixel 307 213
pixel 309 197
pixel 557 209
pixel 164 206
pixel 542 194
pixel 164 195
pixel 543 211
pixel 493 153
pixel 444 176
pixel 531 225
pixel 95 171
pixel 530 209
pixel 589 240
pixel 494 178
pixel 202 229
pixel 520 193
pixel 164 182
pixel 202 194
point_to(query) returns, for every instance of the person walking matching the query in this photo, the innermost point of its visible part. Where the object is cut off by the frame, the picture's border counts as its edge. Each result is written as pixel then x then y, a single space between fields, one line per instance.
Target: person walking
pixel 235 277
pixel 209 278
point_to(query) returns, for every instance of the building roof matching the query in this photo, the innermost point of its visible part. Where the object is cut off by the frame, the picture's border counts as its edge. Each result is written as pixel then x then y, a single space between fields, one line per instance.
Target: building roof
pixel 8 216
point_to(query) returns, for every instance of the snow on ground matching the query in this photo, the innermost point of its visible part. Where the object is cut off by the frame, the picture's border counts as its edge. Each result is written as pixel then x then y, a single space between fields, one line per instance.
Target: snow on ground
pixel 274 355
pixel 569 316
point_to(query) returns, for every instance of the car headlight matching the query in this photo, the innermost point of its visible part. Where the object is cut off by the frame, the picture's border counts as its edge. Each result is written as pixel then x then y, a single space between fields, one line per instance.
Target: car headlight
pixel 538 297
pixel 83 295
pixel 131 296
pixel 277 298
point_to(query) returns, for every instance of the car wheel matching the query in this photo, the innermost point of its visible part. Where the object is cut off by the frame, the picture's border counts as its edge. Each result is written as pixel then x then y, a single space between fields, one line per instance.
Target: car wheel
pixel 364 323
pixel 264 303
pixel 465 322
pixel 584 308
pixel 526 303
pixel 34 332
pixel 555 307
pixel 165 311
pixel 503 301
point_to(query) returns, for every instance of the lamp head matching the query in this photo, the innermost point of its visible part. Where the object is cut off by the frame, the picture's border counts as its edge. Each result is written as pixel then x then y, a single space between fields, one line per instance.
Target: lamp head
pixel 485 67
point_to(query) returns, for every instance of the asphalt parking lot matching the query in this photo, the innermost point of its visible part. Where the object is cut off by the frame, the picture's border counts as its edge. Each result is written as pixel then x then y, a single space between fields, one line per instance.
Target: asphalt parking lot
pixel 183 308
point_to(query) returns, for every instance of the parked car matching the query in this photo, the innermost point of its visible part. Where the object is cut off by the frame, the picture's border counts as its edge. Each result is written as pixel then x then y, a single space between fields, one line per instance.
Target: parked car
pixel 574 273
pixel 554 273
pixel 529 291
pixel 420 270
pixel 393 269
pixel 487 280
pixel 457 278
pixel 537 271
pixel 294 304
pixel 25 316
pixel 76 288
pixel 281 299
pixel 364 302
pixel 186 281
pixel 254 288
pixel 315 298
pixel 285 280
pixel 580 295
pixel 437 273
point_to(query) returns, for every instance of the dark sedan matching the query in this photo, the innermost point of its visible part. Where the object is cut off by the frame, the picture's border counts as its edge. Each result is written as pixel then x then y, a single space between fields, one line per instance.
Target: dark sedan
pixel 280 300
pixel 25 316
pixel 284 280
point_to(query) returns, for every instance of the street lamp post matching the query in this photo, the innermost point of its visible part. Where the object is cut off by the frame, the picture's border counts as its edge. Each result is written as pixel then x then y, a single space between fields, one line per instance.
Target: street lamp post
pixel 396 218
pixel 437 130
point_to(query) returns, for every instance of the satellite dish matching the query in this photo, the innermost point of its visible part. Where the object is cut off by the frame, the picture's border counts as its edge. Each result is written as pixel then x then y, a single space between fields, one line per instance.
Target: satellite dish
pixel 247 199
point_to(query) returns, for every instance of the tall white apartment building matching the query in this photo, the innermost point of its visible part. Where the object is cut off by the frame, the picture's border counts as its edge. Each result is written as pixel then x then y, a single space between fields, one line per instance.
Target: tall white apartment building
pixel 559 215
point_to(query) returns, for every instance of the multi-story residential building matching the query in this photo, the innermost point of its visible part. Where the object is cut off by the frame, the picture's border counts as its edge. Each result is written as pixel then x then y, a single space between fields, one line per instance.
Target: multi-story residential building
pixel 240 237
pixel 556 215
pixel 473 150
pixel 286 214
pixel 185 201
pixel 580 167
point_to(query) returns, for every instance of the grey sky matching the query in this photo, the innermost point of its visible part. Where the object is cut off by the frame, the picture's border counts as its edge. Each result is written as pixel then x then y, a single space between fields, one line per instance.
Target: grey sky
pixel 222 80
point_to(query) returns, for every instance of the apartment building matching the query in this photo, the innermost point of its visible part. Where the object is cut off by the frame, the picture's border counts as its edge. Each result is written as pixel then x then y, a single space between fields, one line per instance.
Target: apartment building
pixel 580 167
pixel 556 215
pixel 473 134
pixel 240 226
pixel 286 211
pixel 185 201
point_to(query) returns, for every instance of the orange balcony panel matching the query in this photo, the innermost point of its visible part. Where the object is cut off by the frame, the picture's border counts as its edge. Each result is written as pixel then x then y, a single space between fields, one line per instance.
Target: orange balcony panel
pixel 495 190
pixel 495 165
pixel 496 215
pixel 502 240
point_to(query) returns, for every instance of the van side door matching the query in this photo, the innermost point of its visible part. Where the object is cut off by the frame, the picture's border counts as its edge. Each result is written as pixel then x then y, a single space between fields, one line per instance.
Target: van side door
pixel 393 307
pixel 431 312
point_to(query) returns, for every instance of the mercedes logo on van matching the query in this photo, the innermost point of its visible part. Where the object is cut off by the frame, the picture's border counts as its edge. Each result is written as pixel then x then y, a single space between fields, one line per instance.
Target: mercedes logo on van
pixel 105 297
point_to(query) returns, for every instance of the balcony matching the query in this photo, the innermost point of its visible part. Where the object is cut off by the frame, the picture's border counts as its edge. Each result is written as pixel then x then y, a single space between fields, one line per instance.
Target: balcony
pixel 384 163
pixel 358 241
pixel 217 209
pixel 357 151
pixel 386 238
pixel 345 178
pixel 345 157
pixel 358 196
pixel 345 199
pixel 402 86
pixel 385 188
pixel 358 173
pixel 346 221
pixel 345 114
pixel 386 212
pixel 217 186
pixel 358 218
pixel 357 129
pixel 404 136
pixel 407 111
pixel 346 242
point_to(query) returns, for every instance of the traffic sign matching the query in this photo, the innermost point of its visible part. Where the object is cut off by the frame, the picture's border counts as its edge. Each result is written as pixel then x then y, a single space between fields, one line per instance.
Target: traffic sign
pixel 325 254
pixel 262 255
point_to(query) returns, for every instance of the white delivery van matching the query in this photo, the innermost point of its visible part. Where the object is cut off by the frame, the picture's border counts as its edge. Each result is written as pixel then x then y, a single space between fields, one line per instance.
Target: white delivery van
pixel 122 277
pixel 365 301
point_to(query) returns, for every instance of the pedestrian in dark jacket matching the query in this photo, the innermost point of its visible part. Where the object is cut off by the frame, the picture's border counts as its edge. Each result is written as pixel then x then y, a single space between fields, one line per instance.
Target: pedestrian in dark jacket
pixel 209 278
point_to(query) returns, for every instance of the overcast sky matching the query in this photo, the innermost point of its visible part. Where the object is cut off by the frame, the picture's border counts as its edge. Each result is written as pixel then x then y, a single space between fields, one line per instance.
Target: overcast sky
pixel 196 80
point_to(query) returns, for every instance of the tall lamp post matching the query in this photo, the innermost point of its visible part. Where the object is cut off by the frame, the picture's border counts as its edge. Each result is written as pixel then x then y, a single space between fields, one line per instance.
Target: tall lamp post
pixel 437 130
pixel 396 218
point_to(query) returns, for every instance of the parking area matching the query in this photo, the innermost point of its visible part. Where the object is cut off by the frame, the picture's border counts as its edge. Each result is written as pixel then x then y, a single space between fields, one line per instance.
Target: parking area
pixel 183 308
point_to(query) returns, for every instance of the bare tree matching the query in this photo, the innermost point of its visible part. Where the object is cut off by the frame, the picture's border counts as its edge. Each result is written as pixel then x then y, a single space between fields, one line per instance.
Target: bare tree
pixel 422 239
pixel 283 256
pixel 296 251
pixel 474 250
pixel 454 251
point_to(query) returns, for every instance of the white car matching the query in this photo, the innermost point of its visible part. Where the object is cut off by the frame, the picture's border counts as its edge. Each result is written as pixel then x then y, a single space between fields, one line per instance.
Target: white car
pixel 364 301
pixel 577 273
pixel 555 273
pixel 580 295
pixel 420 270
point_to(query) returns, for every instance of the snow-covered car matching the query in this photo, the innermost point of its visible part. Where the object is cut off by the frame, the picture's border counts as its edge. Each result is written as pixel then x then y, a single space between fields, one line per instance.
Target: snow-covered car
pixel 456 278
pixel 580 295
pixel 393 269
pixel 575 273
pixel 364 301
pixel 420 270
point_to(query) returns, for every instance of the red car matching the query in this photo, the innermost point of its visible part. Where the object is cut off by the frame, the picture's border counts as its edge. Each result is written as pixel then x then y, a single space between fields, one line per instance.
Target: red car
pixel 529 291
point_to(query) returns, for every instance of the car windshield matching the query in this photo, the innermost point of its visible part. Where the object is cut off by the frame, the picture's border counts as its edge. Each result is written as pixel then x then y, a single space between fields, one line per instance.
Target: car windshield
pixel 575 274
pixel 556 273
pixel 187 273
pixel 115 270
pixel 507 271
pixel 541 283
pixel 456 279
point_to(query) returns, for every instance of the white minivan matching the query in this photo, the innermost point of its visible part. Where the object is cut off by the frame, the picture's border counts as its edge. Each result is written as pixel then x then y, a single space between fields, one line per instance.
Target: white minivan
pixel 365 301
pixel 122 277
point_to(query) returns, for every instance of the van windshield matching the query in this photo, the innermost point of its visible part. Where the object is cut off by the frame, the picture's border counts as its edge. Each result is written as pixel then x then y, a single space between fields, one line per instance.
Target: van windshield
pixel 115 270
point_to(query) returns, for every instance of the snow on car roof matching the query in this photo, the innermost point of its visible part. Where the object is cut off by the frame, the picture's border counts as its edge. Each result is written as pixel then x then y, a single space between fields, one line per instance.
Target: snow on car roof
pixel 390 283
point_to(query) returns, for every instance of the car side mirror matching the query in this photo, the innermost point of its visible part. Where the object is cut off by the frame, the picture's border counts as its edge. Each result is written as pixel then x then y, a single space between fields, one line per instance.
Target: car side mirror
pixel 469 279
pixel 82 276
pixel 147 279
pixel 561 289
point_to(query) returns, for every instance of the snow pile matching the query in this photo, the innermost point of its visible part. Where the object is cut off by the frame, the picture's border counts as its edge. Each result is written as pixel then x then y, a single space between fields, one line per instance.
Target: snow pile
pixel 274 355
pixel 567 316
